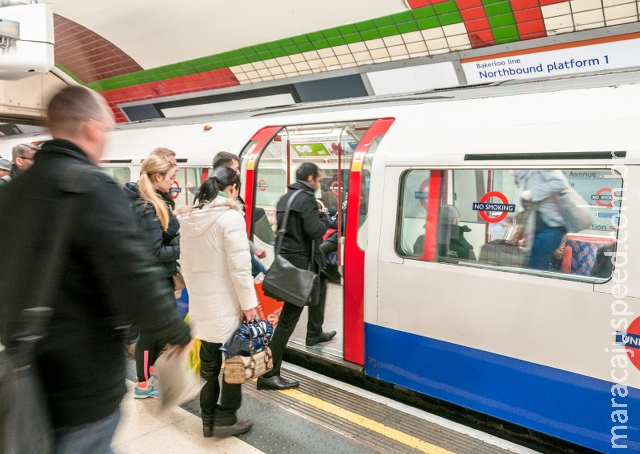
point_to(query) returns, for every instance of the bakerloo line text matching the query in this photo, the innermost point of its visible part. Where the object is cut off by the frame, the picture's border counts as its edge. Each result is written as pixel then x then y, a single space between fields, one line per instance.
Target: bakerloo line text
pixel 551 67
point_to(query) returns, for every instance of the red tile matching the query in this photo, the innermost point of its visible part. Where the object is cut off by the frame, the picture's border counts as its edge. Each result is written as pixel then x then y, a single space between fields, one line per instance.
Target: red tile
pixel 524 4
pixel 527 15
pixel 466 4
pixel 477 25
pixel 481 38
pixel 527 28
pixel 551 2
pixel 418 3
pixel 473 13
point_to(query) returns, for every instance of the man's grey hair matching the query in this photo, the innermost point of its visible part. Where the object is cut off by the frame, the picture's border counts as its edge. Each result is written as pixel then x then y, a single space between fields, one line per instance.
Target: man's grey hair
pixel 22 150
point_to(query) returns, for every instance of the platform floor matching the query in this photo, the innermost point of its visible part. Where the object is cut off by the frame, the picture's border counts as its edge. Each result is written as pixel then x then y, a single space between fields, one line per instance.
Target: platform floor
pixel 323 415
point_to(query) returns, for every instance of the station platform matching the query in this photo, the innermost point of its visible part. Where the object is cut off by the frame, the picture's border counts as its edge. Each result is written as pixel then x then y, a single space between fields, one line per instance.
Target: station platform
pixel 322 415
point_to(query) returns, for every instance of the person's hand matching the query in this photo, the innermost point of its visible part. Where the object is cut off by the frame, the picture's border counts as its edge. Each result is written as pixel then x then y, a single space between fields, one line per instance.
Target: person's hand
pixel 526 195
pixel 260 253
pixel 189 185
pixel 250 314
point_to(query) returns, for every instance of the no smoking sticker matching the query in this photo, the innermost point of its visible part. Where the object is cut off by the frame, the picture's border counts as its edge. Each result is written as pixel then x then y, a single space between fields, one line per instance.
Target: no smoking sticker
pixel 485 207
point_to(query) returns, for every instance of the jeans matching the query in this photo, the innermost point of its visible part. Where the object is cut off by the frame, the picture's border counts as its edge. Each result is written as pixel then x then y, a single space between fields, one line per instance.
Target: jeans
pixel 287 324
pixel 256 267
pixel 212 413
pixel 545 243
pixel 94 438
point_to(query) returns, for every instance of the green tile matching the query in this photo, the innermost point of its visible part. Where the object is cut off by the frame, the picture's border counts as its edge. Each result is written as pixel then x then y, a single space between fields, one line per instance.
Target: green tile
pixel 305 47
pixel 246 51
pixel 353 38
pixel 429 22
pixel 260 48
pixel 278 53
pixel 390 30
pixel 370 34
pixel 421 13
pixel 405 16
pixel 502 20
pixel 241 61
pixel 286 42
pixel 505 32
pixel 347 29
pixel 320 44
pixel 273 45
pixel 450 18
pixel 337 41
pixel 489 2
pixel 253 58
pixel 290 50
pixel 313 36
pixel 331 32
pixel 511 39
pixel 300 39
pixel 497 8
pixel 408 27
pixel 446 7
pixel 365 25
pixel 265 55
pixel 383 21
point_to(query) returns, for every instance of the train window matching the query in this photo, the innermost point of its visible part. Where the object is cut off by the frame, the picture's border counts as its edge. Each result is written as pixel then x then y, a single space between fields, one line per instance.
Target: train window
pixel 186 184
pixel 120 175
pixel 551 222
pixel 365 184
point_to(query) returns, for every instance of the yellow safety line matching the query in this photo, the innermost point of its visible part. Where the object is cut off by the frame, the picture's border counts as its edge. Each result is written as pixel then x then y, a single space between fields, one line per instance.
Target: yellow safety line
pixel 367 423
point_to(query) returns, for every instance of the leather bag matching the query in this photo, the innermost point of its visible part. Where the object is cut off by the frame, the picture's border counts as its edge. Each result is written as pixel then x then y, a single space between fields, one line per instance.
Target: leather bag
pixel 240 369
pixel 286 282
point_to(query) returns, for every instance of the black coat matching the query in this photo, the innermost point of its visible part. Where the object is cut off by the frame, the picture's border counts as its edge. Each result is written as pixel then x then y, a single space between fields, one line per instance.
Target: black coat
pixel 305 224
pixel 165 245
pixel 106 277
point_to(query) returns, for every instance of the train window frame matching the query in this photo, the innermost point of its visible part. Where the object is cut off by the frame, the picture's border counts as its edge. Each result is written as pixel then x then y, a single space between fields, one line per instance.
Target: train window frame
pixel 402 253
pixel 111 172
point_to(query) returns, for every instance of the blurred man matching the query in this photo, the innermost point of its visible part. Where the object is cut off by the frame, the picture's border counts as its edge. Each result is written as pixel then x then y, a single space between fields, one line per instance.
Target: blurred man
pixel 5 169
pixel 23 156
pixel 103 276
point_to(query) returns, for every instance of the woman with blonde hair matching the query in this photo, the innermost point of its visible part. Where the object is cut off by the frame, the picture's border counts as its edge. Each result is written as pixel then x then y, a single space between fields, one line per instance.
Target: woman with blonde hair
pixel 216 265
pixel 160 229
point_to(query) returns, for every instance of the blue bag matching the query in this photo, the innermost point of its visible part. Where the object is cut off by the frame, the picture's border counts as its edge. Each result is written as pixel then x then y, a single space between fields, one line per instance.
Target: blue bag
pixel 256 330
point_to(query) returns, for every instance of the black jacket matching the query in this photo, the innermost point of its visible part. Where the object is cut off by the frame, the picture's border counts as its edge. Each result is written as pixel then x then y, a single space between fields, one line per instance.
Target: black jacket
pixel 106 275
pixel 15 171
pixel 165 246
pixel 305 224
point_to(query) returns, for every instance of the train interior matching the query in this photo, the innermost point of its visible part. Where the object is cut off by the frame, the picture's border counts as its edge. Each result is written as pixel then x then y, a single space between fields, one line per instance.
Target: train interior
pixel 331 147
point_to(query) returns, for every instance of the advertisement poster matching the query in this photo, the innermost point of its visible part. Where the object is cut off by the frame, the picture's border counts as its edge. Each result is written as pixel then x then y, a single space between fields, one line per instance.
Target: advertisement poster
pixel 310 149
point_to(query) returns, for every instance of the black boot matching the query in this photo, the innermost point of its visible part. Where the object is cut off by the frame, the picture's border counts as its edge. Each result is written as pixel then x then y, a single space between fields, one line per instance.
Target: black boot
pixel 324 337
pixel 276 382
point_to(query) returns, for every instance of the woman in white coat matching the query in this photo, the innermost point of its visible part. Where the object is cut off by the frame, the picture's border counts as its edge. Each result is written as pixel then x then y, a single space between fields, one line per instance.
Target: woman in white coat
pixel 216 265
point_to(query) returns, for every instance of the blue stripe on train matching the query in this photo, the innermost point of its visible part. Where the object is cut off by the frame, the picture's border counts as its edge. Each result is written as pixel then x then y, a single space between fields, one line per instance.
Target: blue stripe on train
pixel 562 404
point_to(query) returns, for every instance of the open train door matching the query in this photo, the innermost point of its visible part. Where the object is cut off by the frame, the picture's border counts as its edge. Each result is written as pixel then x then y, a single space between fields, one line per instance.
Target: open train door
pixel 344 152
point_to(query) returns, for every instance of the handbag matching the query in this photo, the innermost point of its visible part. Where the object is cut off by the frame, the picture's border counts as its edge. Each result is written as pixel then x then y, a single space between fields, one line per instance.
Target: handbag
pixel 289 283
pixel 576 215
pixel 503 253
pixel 178 280
pixel 240 369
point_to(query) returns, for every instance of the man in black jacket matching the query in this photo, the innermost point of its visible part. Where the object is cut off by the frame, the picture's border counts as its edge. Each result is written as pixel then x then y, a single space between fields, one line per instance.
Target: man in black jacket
pixel 104 274
pixel 301 247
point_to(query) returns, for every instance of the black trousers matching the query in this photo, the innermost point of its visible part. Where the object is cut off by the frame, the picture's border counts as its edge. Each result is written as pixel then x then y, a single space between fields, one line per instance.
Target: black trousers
pixel 212 413
pixel 287 324
pixel 147 351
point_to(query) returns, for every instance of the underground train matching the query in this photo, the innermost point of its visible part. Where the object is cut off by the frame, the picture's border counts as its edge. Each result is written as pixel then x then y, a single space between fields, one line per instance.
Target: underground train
pixel 548 350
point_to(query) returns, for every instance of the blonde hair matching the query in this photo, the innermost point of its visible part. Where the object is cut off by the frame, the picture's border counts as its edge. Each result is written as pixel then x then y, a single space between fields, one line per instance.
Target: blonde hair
pixel 163 152
pixel 155 164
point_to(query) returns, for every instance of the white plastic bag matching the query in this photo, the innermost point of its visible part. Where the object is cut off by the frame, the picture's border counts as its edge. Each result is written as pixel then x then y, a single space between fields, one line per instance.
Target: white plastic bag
pixel 178 382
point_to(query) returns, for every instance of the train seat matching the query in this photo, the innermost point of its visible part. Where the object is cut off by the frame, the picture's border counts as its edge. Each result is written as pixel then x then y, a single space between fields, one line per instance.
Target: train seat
pixel 583 253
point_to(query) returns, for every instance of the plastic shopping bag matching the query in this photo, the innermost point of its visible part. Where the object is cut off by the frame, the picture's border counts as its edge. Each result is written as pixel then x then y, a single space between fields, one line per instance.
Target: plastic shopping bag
pixel 178 382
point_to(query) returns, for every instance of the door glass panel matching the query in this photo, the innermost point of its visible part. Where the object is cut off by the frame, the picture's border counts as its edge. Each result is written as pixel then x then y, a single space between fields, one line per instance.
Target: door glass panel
pixel 365 184
pixel 120 175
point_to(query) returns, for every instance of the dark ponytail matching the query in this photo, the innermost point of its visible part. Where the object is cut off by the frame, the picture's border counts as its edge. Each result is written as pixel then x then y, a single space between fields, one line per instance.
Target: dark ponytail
pixel 222 178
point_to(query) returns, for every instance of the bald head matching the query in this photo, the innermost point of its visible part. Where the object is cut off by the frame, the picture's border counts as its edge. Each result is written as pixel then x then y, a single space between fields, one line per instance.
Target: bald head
pixel 82 116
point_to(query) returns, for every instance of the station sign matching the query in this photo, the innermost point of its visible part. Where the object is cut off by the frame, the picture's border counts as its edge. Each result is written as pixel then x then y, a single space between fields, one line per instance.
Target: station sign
pixel 262 185
pixel 175 190
pixel 631 342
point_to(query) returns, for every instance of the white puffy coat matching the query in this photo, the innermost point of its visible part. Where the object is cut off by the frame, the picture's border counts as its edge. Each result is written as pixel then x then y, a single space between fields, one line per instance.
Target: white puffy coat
pixel 216 264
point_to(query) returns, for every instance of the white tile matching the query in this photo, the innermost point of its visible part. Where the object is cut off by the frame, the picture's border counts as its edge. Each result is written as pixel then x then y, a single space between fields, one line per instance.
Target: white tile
pixel 341 50
pixel 417 47
pixel 590 26
pixel 349 65
pixel 247 67
pixel 267 78
pixel 412 37
pixel 296 58
pixel 461 47
pixel 621 12
pixel 382 60
pixel 559 9
pixel 324 53
pixel 252 74
pixel 433 33
pixel 333 68
pixel 621 21
pixel 377 54
pixel 264 72
pixel 241 77
pixel 259 65
pixel 357 47
pixel 288 68
pixel 606 3
pixel 399 57
pixel 419 54
pixel 318 70
pixel 306 71
pixel 257 80
pixel 455 29
pixel 374 44
pixel 236 70
pixel 330 61
pixel 275 71
pixel 559 31
pixel 271 63
pixel 396 51
pixel 588 17
pixel 390 41
pixel 346 59
pixel 280 76
pixel 311 55
pixel 304 66
pixel 437 44
pixel 585 5
pixel 439 51
pixel 283 60
pixel 316 64
pixel 458 41
pixel 558 23
pixel 361 56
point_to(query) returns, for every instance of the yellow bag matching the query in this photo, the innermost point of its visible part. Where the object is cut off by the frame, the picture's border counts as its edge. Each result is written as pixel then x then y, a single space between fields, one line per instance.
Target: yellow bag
pixel 194 352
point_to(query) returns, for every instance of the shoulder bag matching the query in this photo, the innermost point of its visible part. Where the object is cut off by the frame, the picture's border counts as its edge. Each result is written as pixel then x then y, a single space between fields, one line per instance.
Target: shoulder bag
pixel 576 215
pixel 286 282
